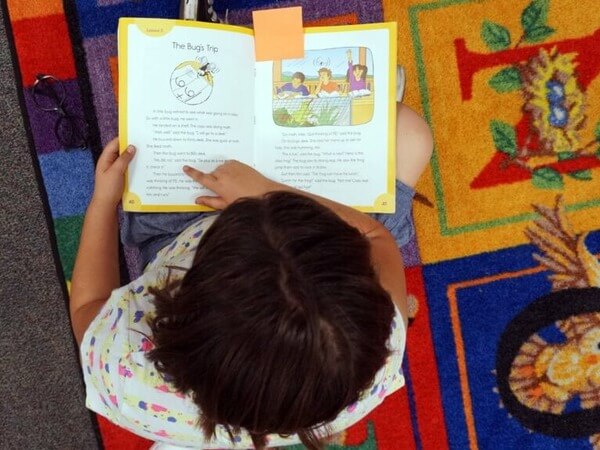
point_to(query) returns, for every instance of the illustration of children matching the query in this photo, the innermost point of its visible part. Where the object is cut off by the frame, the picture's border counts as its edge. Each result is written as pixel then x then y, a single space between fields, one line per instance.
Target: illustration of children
pixel 294 89
pixel 326 87
pixel 357 77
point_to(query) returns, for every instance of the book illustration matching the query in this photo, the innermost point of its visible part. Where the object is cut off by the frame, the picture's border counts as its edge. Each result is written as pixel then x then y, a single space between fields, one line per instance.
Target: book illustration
pixel 332 86
pixel 192 82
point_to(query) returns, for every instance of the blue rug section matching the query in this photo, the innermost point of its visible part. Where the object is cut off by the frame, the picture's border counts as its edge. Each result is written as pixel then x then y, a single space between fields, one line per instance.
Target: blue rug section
pixel 67 180
pixel 93 24
pixel 484 311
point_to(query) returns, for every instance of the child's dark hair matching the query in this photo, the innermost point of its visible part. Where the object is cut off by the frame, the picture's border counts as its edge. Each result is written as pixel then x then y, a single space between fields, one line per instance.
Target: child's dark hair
pixel 280 322
pixel 363 75
pixel 298 75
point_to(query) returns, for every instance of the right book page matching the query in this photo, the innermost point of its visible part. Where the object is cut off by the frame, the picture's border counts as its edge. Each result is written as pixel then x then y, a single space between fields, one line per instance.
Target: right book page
pixel 325 123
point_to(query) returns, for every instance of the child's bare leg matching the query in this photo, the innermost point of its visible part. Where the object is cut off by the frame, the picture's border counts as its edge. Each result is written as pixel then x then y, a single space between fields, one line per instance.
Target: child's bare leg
pixel 414 145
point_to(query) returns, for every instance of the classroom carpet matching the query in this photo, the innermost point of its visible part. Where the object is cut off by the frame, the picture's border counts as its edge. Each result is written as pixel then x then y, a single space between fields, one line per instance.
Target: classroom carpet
pixel 503 351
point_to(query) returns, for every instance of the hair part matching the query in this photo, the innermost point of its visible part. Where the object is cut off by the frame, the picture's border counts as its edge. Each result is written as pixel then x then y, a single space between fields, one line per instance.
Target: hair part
pixel 279 324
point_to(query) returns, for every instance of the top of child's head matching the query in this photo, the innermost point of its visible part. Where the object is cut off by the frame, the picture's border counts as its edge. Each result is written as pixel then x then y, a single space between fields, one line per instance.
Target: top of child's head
pixel 324 73
pixel 279 324
pixel 298 78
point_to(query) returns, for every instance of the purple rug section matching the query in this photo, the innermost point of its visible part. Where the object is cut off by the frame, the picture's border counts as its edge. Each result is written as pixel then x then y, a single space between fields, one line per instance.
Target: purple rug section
pixel 366 11
pixel 43 122
pixel 98 51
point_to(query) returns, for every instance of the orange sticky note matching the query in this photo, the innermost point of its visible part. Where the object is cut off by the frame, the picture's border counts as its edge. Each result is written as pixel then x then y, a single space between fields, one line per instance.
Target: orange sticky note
pixel 278 33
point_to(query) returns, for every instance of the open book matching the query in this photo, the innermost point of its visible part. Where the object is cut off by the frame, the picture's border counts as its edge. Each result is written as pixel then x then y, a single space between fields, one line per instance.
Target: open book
pixel 192 93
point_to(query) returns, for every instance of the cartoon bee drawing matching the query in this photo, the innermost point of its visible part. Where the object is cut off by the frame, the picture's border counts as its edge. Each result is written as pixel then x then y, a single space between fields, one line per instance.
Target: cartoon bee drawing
pixel 192 82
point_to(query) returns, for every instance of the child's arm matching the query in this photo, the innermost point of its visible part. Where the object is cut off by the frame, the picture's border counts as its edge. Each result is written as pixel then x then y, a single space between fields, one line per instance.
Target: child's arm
pixel 389 266
pixel 96 271
pixel 318 88
pixel 234 179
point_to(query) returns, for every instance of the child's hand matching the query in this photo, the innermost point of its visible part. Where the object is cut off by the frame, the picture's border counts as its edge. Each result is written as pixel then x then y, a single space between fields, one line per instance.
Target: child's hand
pixel 110 172
pixel 230 181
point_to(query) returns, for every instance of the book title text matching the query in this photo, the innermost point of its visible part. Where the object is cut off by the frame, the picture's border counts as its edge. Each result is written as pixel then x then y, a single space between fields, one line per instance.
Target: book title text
pixel 198 48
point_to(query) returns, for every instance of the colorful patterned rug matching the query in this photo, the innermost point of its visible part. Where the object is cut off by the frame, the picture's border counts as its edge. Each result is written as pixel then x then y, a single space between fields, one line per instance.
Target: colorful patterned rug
pixel 511 91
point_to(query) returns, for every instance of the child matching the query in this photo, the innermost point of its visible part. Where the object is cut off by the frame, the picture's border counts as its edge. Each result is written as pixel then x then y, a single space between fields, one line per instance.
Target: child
pixel 356 75
pixel 280 320
pixel 326 86
pixel 295 88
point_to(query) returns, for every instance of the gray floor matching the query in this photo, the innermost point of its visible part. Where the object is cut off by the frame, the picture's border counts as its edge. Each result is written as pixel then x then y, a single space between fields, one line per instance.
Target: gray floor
pixel 41 390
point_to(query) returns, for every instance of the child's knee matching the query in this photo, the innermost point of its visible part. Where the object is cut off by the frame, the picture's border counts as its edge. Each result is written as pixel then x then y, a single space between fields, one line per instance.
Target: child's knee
pixel 414 145
pixel 424 138
pixel 414 132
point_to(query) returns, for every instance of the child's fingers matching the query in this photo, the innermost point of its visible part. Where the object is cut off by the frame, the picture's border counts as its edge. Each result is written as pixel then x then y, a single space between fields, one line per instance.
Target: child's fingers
pixel 121 163
pixel 212 202
pixel 205 179
pixel 218 172
pixel 109 154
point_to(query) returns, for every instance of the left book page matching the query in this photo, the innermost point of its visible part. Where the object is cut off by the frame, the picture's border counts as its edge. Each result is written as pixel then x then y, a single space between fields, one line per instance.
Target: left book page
pixel 186 96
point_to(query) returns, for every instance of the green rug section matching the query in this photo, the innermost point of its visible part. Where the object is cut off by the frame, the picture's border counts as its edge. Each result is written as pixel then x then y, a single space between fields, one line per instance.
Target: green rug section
pixel 68 232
